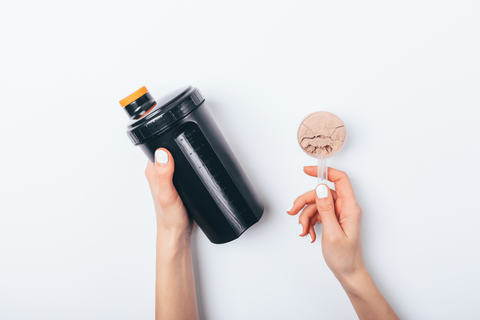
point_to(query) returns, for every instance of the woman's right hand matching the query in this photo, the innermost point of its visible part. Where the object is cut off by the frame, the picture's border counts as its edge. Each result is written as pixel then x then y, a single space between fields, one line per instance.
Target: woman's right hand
pixel 341 217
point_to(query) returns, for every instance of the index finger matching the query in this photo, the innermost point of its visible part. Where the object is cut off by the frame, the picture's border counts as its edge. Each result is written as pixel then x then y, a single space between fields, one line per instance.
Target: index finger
pixel 302 201
pixel 343 187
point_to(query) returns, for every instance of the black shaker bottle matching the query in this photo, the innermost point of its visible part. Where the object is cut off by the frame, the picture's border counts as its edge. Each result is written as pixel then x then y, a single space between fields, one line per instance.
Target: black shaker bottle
pixel 215 191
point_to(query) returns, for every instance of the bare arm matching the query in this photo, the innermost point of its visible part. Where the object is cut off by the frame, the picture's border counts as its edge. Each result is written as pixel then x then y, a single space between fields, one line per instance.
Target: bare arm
pixel 341 217
pixel 175 283
pixel 367 300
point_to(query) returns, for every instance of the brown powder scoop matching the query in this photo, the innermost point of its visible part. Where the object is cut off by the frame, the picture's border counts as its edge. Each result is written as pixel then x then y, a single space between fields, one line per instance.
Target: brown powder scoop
pixel 322 135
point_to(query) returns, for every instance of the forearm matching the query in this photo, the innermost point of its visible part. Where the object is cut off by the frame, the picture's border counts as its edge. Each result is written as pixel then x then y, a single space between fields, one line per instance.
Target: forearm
pixel 175 282
pixel 365 297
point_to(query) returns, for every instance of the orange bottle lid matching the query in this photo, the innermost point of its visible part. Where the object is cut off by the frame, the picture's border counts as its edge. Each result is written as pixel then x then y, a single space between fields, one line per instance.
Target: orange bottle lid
pixel 134 96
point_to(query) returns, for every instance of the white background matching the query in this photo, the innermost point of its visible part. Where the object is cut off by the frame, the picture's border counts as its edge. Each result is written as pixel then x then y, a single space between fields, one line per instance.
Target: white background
pixel 77 224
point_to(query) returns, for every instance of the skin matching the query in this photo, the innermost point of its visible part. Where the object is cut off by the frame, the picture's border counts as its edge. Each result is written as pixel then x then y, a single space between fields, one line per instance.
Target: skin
pixel 175 283
pixel 341 217
pixel 339 213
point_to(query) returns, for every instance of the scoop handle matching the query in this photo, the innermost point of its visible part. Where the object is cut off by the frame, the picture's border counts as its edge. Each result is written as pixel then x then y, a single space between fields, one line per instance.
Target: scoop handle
pixel 322 171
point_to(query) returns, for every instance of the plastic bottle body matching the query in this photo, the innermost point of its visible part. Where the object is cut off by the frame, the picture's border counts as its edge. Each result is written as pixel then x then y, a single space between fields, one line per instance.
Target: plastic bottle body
pixel 215 191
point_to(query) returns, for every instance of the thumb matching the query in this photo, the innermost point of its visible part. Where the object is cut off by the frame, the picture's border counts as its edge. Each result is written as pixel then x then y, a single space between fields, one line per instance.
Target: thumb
pixel 165 193
pixel 326 209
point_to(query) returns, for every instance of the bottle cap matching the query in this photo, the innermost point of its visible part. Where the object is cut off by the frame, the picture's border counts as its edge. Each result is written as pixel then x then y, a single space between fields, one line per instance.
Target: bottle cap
pixel 134 96
pixel 149 118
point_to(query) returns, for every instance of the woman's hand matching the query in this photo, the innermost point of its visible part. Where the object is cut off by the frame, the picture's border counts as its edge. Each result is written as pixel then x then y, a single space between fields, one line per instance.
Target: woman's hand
pixel 172 218
pixel 341 217
pixel 175 283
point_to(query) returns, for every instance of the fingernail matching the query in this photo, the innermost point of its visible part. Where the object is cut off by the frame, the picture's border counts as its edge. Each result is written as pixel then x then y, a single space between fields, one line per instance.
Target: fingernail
pixel 322 191
pixel 300 229
pixel 309 238
pixel 161 156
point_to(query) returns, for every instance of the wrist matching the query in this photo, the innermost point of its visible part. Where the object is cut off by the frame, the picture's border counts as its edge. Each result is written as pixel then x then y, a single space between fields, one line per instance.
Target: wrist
pixel 173 238
pixel 355 282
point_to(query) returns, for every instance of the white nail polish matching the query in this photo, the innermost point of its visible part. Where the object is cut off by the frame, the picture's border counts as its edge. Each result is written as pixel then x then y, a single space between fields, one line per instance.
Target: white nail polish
pixel 161 156
pixel 300 229
pixel 309 238
pixel 322 191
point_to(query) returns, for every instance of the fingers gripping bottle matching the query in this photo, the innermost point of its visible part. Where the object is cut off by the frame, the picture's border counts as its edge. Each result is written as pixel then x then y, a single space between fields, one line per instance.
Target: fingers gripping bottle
pixel 215 191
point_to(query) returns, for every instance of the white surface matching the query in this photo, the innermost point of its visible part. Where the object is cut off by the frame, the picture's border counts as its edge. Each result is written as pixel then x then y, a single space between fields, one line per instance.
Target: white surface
pixel 77 226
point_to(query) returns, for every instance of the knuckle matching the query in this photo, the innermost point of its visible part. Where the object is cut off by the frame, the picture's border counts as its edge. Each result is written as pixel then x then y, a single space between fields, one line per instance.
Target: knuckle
pixel 326 206
pixel 162 173
pixel 342 175
pixel 303 219
pixel 170 202
pixel 333 239
pixel 360 211
pixel 163 198
pixel 355 209
pixel 149 174
pixel 298 202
